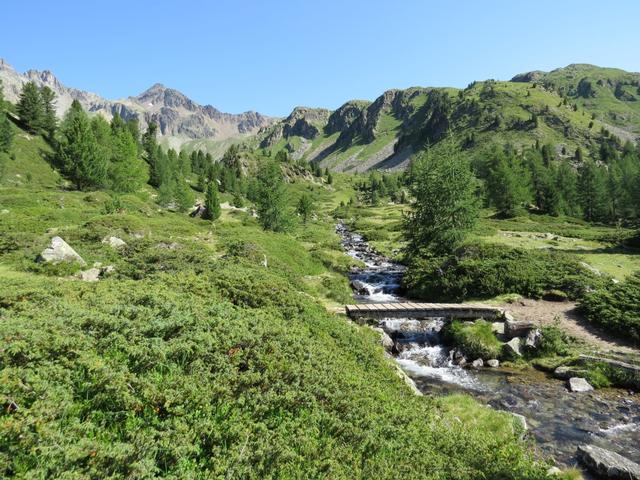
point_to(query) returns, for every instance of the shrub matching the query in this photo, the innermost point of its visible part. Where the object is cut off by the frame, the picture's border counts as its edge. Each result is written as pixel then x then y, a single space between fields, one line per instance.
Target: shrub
pixel 484 270
pixel 615 307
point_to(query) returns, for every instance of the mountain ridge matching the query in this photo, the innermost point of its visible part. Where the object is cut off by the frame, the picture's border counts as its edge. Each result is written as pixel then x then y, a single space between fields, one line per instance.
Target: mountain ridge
pixel 179 118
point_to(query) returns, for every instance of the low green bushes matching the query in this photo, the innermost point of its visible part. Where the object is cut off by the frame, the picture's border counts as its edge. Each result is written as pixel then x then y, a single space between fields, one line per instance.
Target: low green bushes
pixel 615 307
pixel 475 340
pixel 228 373
pixel 486 270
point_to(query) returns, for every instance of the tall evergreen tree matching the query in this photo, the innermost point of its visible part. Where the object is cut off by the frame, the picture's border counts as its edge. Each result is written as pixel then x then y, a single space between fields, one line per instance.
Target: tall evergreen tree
pixel 592 191
pixel 30 107
pixel 152 154
pixel 127 171
pixel 566 183
pixel 6 131
pixel 305 207
pixel 507 185
pixel 78 151
pixel 49 121
pixel 271 197
pixel 445 207
pixel 212 202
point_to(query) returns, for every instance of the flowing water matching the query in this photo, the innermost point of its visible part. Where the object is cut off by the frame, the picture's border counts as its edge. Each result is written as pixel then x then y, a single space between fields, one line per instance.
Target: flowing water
pixel 558 420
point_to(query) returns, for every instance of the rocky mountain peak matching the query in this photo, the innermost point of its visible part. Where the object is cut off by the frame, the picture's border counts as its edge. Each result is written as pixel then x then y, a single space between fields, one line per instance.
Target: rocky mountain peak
pixel 177 115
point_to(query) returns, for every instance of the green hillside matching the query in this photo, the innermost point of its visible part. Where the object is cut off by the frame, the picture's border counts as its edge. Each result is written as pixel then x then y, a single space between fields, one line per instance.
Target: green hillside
pixel 576 106
pixel 191 359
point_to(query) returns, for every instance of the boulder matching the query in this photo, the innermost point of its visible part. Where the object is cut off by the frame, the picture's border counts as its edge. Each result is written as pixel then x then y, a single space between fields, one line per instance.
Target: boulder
pixel 607 464
pixel 385 339
pixel 493 363
pixel 553 472
pixel 517 328
pixel 359 287
pixel 114 242
pixel 521 419
pixel 477 363
pixel 579 384
pixel 497 328
pixel 566 372
pixel 533 339
pixel 60 251
pixel 91 275
pixel 512 348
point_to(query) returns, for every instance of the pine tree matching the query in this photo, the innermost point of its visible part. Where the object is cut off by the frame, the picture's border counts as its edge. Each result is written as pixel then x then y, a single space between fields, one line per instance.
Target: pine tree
pixel 127 172
pixel 49 121
pixel 592 191
pixel 271 197
pixel 566 184
pixel 445 207
pixel 305 207
pixel 30 108
pixel 212 202
pixel 506 186
pixel 6 131
pixel 78 151
pixel 152 153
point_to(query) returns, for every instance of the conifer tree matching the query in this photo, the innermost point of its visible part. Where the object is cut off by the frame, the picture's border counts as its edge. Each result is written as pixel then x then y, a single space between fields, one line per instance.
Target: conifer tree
pixel 6 131
pixel 78 151
pixel 506 185
pixel 271 197
pixel 49 121
pixel 592 191
pixel 127 172
pixel 305 207
pixel 30 108
pixel 445 208
pixel 212 202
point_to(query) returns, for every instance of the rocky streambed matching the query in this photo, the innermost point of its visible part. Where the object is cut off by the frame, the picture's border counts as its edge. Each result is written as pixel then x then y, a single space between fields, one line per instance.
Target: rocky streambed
pixel 559 420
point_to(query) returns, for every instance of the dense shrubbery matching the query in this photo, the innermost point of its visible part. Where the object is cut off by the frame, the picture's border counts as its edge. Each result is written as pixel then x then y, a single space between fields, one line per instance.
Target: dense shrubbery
pixel 616 307
pixel 481 271
pixel 165 377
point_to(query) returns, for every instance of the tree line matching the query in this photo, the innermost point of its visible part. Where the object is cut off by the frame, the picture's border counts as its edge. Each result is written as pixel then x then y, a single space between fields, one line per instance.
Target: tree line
pixel 607 190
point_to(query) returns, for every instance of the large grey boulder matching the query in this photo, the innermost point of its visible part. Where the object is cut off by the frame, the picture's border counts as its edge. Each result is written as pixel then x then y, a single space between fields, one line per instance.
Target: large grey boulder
pixel 359 287
pixel 578 384
pixel 477 363
pixel 512 348
pixel 493 363
pixel 607 464
pixel 60 251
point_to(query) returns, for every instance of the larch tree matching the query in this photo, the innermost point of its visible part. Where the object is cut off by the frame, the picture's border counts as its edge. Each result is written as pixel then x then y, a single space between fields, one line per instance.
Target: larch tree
pixel 271 198
pixel 445 206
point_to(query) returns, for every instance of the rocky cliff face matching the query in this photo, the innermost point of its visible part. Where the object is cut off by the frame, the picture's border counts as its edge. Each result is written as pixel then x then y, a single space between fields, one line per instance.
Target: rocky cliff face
pixel 176 115
pixel 303 122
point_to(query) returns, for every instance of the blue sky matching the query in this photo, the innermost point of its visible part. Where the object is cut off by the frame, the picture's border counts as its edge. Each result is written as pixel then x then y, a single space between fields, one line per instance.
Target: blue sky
pixel 272 55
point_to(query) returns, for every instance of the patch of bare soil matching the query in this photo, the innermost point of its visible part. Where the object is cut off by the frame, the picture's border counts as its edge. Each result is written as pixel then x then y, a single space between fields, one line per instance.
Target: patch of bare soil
pixel 545 313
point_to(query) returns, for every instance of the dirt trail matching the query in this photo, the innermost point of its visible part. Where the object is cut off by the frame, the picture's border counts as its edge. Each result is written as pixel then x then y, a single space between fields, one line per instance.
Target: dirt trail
pixel 545 313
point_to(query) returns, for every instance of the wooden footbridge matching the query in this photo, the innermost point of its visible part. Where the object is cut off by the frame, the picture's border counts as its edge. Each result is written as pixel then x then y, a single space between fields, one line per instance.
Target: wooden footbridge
pixel 426 310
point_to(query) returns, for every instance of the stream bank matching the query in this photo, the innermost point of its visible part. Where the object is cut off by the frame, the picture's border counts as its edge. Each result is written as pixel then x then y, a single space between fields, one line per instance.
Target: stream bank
pixel 558 420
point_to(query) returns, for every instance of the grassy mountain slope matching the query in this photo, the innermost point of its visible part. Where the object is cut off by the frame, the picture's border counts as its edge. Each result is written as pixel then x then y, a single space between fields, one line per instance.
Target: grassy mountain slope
pixel 568 108
pixel 193 360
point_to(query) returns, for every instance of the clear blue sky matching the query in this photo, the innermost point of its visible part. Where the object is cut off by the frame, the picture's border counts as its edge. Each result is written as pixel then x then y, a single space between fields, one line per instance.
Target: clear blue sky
pixel 272 55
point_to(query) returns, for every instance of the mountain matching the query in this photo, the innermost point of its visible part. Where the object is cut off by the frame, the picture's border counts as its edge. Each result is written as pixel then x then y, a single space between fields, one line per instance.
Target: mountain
pixel 179 118
pixel 569 107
